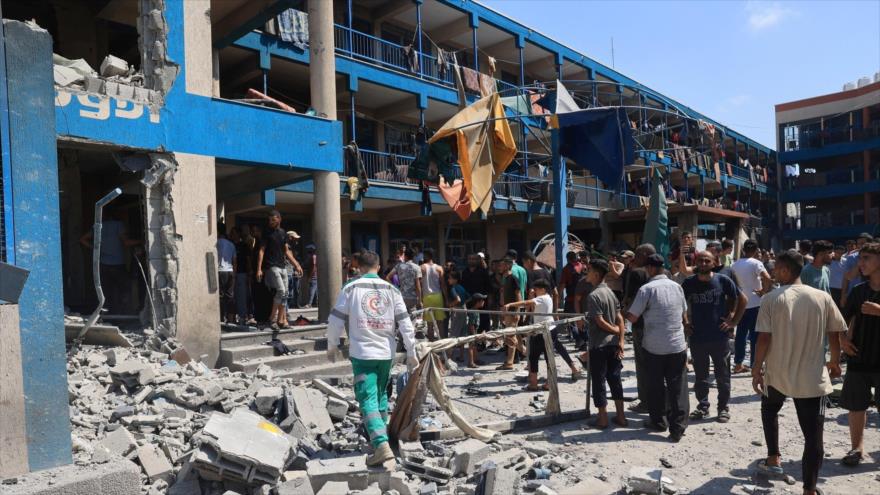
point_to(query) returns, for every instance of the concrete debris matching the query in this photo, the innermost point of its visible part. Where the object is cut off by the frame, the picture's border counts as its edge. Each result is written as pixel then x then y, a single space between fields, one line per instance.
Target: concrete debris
pixel 468 454
pixel 334 488
pixel 645 480
pixel 113 66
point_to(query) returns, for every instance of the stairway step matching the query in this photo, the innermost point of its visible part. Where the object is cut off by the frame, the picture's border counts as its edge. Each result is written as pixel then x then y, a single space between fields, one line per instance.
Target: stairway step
pixel 238 338
pixel 339 368
pixel 229 355
pixel 280 362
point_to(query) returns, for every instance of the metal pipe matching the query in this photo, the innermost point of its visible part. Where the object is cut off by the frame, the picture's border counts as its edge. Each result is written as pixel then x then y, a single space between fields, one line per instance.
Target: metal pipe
pixel 96 260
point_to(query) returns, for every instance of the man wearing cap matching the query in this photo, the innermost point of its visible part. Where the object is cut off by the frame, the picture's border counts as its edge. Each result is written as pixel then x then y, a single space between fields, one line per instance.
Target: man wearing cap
pixel 662 304
pixel 371 308
pixel 294 271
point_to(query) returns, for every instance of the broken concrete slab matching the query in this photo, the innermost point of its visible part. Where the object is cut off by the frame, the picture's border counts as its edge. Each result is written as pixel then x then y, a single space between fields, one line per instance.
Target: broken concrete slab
pixel 337 408
pixel 334 488
pixel 467 454
pixel 105 335
pixel 119 442
pixel 591 486
pixel 113 66
pixel 117 477
pixel 154 462
pixel 397 481
pixel 645 480
pixel 311 407
pixel 296 486
pixel 352 470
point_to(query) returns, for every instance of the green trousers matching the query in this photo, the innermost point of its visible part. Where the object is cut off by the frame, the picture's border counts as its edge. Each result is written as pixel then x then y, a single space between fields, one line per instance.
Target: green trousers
pixel 370 384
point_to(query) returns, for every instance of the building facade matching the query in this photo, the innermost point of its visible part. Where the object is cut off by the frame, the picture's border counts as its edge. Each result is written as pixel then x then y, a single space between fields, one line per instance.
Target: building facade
pixel 829 164
pixel 214 124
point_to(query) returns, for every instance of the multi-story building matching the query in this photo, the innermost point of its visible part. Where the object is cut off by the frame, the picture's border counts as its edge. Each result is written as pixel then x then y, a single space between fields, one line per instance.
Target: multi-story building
pixel 189 145
pixel 829 163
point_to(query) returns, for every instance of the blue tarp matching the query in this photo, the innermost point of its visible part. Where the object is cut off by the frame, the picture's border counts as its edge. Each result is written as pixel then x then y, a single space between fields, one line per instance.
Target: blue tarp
pixel 598 140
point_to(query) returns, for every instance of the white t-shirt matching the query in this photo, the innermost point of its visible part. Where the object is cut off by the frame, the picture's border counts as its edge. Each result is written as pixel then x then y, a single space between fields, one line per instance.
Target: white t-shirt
pixel 748 274
pixel 430 279
pixel 798 317
pixel 543 304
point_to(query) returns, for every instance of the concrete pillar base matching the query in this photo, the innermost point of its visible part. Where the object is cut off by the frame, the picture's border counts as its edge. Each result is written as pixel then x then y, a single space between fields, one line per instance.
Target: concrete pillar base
pixel 117 477
pixel 13 437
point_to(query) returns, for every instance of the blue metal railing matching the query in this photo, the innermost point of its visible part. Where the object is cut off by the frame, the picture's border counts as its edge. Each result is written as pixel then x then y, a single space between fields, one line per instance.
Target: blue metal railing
pixel 386 167
pixel 370 48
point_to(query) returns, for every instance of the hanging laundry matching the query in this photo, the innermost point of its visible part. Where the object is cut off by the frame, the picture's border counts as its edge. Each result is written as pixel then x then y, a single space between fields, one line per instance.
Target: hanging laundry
pixel 459 84
pixel 426 207
pixel 293 27
pixel 442 63
pixel 485 147
pixel 717 172
pixel 598 140
pixel 559 101
pixel 412 58
pixel 519 104
pixel 471 79
pixel 487 85
pixel 433 160
pixel 354 190
pixel 457 197
pixel 354 165
pixel 491 61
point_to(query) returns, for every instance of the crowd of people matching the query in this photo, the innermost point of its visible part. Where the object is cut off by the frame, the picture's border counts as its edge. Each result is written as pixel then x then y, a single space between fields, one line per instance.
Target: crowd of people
pixel 796 315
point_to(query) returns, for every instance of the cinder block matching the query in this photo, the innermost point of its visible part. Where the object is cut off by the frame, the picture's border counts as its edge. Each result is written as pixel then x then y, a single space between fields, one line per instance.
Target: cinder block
pixel 467 454
pixel 337 408
pixel 645 480
pixel 266 398
pixel 113 66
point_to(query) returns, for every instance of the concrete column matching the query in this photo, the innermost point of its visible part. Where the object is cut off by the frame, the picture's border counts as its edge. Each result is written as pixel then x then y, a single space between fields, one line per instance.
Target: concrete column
pixel 199 52
pixel 322 79
pixel 732 229
pixel 13 436
pixel 198 324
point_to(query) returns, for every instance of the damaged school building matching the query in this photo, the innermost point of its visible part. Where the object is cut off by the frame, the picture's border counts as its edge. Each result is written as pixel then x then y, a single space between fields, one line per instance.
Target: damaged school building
pixel 213 112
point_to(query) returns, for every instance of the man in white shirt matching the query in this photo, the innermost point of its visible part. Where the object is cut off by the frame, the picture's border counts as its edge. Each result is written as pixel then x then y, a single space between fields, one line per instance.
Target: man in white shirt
pixel 664 307
pixel 793 321
pixel 371 308
pixel 754 281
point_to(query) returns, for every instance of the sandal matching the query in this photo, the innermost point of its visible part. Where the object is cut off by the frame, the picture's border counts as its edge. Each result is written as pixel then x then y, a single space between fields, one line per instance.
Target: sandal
pixel 699 413
pixel 771 470
pixel 504 367
pixel 853 458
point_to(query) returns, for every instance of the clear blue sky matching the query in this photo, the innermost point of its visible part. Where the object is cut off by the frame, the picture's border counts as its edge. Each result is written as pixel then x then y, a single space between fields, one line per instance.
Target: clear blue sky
pixel 731 60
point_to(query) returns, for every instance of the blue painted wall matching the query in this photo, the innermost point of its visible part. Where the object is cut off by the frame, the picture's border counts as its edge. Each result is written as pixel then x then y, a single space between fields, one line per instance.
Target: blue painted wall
pixel 34 173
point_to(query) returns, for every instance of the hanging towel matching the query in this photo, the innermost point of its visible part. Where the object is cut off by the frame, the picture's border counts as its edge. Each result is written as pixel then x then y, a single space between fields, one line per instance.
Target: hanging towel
pixel 426 207
pixel 354 189
pixel 456 197
pixel 484 144
pixel 471 79
pixel 598 140
pixel 717 172
pixel 487 85
pixel 442 63
pixel 412 58
pixel 293 27
pixel 354 165
pixel 459 84
pixel 491 61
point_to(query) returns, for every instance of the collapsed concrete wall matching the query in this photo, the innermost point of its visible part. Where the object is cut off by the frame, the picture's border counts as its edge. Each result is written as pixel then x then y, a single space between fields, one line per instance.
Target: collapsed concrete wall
pixel 159 71
pixel 162 239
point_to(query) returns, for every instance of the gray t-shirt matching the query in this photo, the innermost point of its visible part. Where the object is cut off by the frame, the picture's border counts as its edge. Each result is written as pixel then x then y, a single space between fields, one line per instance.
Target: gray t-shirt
pixel 602 302
pixel 662 303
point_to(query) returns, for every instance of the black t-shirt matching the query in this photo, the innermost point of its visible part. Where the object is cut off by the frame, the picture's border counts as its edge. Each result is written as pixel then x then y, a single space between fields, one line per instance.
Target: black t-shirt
pixel 476 281
pixel 866 329
pixel 273 241
pixel 510 289
pixel 533 276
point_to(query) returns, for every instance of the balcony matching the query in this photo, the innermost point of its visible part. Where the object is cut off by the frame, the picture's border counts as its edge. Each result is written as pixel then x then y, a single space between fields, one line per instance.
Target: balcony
pixel 812 138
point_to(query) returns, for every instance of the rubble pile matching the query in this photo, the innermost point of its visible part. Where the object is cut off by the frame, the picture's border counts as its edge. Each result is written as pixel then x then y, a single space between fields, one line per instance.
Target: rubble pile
pixel 115 78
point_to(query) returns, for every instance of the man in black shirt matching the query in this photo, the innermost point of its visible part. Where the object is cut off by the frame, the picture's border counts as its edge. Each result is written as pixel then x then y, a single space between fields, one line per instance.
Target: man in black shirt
pixel 862 344
pixel 535 272
pixel 270 261
pixel 635 279
pixel 476 280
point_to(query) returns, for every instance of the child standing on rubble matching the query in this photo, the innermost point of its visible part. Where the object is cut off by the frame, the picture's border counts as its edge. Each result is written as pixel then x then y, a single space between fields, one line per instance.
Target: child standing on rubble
pixel 455 299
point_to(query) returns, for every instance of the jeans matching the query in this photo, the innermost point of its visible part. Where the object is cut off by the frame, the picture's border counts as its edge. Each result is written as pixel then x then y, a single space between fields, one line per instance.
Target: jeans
pixel 811 417
pixel 242 296
pixel 292 290
pixel 227 288
pixel 667 389
pixel 746 331
pixel 605 366
pixel 313 292
pixel 719 353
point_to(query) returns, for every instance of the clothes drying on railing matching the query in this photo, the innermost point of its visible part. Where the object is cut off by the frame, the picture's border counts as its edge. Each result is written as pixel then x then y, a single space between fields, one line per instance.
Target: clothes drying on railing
pixel 599 140
pixel 471 79
pixel 484 144
pixel 293 27
pixel 487 85
pixel 442 63
pixel 433 160
pixel 412 58
pixel 354 168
